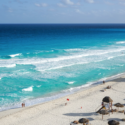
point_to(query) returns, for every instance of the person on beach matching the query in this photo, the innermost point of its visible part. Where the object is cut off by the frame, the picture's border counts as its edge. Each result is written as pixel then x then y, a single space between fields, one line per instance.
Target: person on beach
pixel 106 104
pixel 108 87
pixel 23 105
pixel 103 82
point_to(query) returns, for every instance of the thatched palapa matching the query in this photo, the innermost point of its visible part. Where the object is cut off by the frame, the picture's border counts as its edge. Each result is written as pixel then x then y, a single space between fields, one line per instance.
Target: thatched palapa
pixel 83 120
pixel 107 99
pixel 119 105
pixel 113 122
pixel 103 112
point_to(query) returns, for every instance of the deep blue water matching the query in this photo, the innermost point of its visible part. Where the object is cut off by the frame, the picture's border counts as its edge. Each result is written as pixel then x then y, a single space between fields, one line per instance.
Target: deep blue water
pixel 39 61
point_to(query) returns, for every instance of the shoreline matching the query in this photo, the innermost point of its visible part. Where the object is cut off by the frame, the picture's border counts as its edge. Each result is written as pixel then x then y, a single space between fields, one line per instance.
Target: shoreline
pixel 60 102
pixel 84 87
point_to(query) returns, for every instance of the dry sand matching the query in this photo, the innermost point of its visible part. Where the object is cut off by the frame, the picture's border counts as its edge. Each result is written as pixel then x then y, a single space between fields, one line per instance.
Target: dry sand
pixel 56 113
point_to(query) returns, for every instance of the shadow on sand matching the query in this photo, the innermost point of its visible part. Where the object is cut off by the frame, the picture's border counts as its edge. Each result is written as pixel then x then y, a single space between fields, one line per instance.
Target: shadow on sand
pixel 81 114
pixel 117 119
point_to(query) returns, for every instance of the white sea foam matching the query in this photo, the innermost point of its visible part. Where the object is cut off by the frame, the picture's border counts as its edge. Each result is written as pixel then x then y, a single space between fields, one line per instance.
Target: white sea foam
pixel 82 57
pixel 28 89
pixel 120 64
pixel 37 52
pixel 76 49
pixel 8 66
pixel 3 75
pixel 59 62
pixel 71 82
pixel 120 42
pixel 53 67
pixel 39 86
pixel 59 67
pixel 75 56
pixel 91 83
pixel 49 51
pixel 111 77
pixel 79 87
pixel 92 53
pixel 110 57
pixel 14 55
pixel 104 68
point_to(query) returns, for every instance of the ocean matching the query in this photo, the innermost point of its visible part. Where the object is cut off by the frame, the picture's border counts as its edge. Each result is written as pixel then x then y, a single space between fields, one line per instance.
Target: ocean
pixel 41 62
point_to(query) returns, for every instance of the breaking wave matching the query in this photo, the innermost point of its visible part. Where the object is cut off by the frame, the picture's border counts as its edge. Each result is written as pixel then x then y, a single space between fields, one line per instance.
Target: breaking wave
pixel 8 66
pixel 28 89
pixel 14 55
pixel 71 82
pixel 120 42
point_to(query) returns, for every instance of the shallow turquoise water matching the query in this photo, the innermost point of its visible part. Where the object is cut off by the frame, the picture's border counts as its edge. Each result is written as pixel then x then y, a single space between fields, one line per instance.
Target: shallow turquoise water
pixel 39 61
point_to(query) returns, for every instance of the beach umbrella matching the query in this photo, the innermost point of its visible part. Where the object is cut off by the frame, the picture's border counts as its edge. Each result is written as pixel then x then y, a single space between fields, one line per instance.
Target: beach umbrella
pixel 103 112
pixel 113 122
pixel 107 99
pixel 84 121
pixel 119 105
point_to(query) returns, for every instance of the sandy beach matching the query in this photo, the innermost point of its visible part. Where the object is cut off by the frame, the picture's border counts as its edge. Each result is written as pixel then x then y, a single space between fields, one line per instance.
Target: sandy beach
pixel 82 104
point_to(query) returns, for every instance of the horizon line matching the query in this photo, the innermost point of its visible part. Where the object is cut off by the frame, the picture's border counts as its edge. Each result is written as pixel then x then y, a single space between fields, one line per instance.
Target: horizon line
pixel 60 23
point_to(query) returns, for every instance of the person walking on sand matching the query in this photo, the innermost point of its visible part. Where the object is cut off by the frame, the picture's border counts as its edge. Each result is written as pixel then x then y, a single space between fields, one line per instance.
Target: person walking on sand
pixel 23 104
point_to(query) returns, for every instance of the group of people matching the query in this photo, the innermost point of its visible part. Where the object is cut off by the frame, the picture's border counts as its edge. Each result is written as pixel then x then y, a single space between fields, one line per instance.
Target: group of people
pixel 106 104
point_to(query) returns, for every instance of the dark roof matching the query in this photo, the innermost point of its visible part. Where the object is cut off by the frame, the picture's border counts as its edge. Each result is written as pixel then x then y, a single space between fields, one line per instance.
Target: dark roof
pixel 113 122
pixel 118 105
pixel 83 120
pixel 107 99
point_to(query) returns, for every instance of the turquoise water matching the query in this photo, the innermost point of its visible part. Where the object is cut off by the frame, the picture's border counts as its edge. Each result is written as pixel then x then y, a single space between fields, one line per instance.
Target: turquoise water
pixel 43 62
